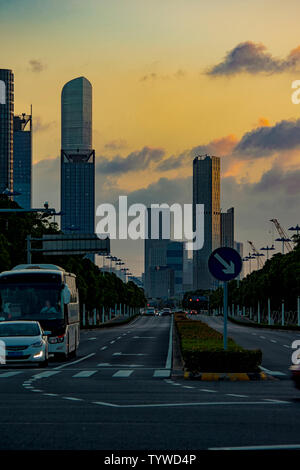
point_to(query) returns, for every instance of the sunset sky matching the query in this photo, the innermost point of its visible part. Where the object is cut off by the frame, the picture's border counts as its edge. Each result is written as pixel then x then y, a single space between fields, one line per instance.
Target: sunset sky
pixel 170 78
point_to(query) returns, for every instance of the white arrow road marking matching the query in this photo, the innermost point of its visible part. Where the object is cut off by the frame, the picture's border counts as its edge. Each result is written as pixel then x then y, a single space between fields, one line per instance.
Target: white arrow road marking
pixel 229 268
pixel 122 354
pixel 271 372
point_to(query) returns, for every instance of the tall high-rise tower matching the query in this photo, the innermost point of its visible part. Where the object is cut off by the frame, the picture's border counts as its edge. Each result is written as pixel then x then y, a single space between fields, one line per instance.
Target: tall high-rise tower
pixel 23 159
pixel 206 190
pixel 6 129
pixel 77 157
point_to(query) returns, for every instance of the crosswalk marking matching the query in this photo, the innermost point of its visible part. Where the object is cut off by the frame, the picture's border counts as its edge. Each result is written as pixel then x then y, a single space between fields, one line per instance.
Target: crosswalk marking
pixel 161 373
pixel 85 373
pixel 43 375
pixel 123 373
pixel 10 374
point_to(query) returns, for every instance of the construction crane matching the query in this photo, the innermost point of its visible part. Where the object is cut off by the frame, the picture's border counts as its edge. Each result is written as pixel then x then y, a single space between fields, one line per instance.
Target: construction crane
pixel 256 254
pixel 283 236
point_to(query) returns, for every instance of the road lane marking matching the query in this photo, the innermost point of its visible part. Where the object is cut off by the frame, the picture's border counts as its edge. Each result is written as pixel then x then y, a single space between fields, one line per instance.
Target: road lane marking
pixel 104 347
pixel 75 362
pixel 262 337
pixel 236 395
pixel 274 401
pixel 273 340
pixel 9 374
pixel 46 374
pixel 123 373
pixel 123 354
pixel 91 339
pixel 72 398
pixel 207 403
pixel 207 390
pixel 144 337
pixel 187 386
pixel 286 346
pixel 169 357
pixel 103 403
pixel 266 447
pixel 51 394
pixel 162 373
pixel 112 342
pixel 85 373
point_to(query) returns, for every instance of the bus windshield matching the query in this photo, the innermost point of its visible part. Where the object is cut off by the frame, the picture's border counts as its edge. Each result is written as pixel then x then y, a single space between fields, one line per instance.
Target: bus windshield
pixel 40 301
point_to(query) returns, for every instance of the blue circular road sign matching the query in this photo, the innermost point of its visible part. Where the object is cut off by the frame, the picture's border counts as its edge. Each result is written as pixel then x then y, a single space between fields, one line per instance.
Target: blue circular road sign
pixel 225 263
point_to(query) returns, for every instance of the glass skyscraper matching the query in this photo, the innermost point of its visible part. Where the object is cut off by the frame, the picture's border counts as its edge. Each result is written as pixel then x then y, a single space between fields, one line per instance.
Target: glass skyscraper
pixel 206 190
pixel 22 165
pixel 77 158
pixel 6 129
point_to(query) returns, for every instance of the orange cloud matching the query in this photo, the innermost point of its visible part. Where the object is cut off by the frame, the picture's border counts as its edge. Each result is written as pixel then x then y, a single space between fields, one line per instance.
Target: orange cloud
pixel 263 122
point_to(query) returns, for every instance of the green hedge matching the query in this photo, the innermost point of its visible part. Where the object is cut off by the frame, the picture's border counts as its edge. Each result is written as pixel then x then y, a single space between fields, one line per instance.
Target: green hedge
pixel 202 350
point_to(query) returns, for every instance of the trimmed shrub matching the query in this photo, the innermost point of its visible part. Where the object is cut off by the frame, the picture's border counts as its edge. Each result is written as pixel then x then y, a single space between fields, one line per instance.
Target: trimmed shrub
pixel 202 350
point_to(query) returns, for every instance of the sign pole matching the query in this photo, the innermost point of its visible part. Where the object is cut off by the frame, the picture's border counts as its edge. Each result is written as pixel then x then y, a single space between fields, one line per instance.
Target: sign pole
pixel 225 314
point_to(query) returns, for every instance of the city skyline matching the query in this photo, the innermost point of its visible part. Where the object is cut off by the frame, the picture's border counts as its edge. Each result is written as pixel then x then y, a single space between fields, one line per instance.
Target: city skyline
pixel 150 102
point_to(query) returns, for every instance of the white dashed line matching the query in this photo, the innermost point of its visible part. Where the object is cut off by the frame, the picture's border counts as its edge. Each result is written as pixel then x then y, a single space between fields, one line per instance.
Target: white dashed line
pixel 207 390
pixel 104 347
pixel 85 373
pixel 123 373
pixel 236 395
pixel 72 398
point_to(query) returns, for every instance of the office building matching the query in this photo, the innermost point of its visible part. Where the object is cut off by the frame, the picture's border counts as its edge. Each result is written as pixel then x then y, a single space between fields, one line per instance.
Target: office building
pixel 206 190
pixel 155 249
pixel 227 228
pixel 175 251
pixel 22 161
pixel 6 129
pixel 77 157
pixel 161 282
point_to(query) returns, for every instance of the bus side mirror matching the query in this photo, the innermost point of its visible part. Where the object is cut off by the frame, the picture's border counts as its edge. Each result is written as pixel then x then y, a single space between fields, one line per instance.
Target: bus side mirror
pixel 66 294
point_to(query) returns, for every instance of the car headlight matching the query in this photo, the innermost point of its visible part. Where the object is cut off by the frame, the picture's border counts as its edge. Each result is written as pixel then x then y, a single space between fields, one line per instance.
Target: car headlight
pixel 38 344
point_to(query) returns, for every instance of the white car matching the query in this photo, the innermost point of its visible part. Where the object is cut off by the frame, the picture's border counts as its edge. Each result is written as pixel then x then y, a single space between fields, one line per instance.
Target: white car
pixel 25 341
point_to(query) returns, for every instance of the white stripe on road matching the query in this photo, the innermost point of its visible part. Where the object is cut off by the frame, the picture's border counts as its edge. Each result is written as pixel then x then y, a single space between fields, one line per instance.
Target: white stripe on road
pixel 123 354
pixel 75 362
pixel 91 339
pixel 203 403
pixel 9 374
pixel 273 340
pixel 123 373
pixel 266 447
pixel 236 395
pixel 275 401
pixel 104 347
pixel 207 390
pixel 46 374
pixel 262 337
pixel 161 373
pixel 170 350
pixel 144 337
pixel 112 342
pixel 72 398
pixel 85 373
pixel 286 346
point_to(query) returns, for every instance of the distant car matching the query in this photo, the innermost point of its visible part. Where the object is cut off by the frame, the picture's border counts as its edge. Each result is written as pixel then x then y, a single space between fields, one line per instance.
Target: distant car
pixel 25 341
pixel 193 312
pixel 165 311
pixel 149 311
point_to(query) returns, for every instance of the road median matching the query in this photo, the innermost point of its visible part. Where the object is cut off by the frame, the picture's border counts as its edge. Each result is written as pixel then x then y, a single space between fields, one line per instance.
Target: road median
pixel 203 357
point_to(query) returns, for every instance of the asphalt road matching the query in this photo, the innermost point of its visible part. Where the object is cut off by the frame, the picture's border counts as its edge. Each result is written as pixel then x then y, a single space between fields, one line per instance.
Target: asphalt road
pixel 118 394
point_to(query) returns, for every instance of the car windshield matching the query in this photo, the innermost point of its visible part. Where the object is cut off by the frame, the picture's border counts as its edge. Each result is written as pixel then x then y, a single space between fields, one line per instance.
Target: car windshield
pixel 23 329
pixel 25 301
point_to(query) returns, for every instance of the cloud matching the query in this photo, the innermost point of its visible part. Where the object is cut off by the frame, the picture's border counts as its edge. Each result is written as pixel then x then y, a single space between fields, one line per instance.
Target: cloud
pixel 263 122
pixel 276 180
pixel 253 58
pixel 265 141
pixel 36 65
pixel 40 126
pixel 135 161
pixel 116 144
pixel 222 146
pixel 180 73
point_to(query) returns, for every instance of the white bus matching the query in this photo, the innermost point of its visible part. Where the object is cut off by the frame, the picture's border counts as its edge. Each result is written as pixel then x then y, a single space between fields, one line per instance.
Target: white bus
pixel 48 294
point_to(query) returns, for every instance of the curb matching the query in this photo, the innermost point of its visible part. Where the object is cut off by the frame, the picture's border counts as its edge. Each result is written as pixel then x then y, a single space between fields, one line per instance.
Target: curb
pixel 227 376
